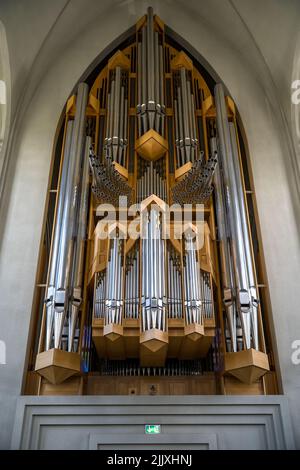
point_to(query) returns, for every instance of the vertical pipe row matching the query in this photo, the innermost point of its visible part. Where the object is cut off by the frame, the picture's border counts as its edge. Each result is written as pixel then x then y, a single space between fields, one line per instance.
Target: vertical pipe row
pixel 150 108
pixel 76 285
pixel 151 182
pixel 245 288
pixel 153 275
pixel 206 295
pixel 174 284
pixel 132 283
pixel 227 260
pixel 193 297
pixel 185 118
pixel 66 230
pixel 114 283
pixel 99 295
pixel 117 116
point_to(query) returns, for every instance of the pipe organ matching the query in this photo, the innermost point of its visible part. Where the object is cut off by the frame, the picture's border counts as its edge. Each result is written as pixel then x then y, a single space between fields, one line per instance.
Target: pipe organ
pixel 151 131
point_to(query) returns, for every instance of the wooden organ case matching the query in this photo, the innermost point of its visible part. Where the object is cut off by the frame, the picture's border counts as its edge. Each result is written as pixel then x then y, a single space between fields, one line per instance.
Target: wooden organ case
pixel 150 314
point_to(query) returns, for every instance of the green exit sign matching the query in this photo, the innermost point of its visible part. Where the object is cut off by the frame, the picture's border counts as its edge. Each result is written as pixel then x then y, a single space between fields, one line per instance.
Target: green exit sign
pixel 152 429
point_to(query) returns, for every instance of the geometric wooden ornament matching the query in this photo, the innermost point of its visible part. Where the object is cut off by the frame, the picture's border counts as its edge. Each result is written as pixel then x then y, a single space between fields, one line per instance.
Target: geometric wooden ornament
pixel 194 331
pixel 151 145
pixel 247 365
pixel 119 59
pixel 113 331
pixel 153 348
pixel 57 365
pixel 181 60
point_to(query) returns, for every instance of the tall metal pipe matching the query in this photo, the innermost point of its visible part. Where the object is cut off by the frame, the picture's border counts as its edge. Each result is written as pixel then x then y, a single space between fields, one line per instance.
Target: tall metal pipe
pixel 150 108
pixel 77 275
pixel 246 235
pixel 193 298
pixel 227 261
pixel 68 220
pixel 244 299
pixel 50 297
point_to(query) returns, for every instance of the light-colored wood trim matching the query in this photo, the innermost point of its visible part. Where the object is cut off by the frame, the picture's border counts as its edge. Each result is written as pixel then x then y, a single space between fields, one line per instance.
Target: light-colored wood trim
pixel 181 60
pixel 121 170
pixel 181 171
pixel 247 365
pixel 57 365
pixel 151 145
pixel 119 59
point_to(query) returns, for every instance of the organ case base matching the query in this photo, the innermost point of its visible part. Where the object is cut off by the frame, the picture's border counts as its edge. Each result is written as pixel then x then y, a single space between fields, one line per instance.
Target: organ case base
pixel 248 365
pixel 56 365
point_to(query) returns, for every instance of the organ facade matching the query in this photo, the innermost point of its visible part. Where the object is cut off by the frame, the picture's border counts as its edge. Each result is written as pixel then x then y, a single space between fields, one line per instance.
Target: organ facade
pixel 149 141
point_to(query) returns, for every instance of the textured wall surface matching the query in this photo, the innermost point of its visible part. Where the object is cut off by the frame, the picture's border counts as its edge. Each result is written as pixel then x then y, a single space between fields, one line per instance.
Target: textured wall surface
pixel 50 51
pixel 118 423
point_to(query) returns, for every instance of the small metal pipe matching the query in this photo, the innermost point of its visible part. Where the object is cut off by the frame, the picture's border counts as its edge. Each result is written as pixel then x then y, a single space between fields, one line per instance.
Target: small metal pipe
pixel 186 136
pixel 181 131
pixel 161 98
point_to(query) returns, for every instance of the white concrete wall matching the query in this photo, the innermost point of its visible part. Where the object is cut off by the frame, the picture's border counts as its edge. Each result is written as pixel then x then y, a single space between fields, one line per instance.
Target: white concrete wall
pixel 77 32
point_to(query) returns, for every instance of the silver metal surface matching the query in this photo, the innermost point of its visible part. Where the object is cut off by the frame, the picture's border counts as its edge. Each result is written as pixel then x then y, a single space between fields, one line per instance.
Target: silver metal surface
pixel 150 107
pixel 246 292
pixel 58 292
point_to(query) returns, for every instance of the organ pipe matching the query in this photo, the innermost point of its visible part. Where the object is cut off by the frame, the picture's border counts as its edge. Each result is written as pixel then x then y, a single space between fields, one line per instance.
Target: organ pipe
pixel 117 115
pixel 151 107
pixel 100 295
pixel 185 120
pixel 245 290
pixel 132 297
pixel 114 284
pixel 193 297
pixel 65 232
pixel 77 278
pixel 151 180
pixel 150 298
pixel 108 186
pixel 174 283
pixel 227 262
pixel 196 186
pixel 153 275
